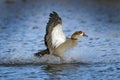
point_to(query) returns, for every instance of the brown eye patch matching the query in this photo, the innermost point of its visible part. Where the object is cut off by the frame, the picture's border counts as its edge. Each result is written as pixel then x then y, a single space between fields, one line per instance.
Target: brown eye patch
pixel 80 32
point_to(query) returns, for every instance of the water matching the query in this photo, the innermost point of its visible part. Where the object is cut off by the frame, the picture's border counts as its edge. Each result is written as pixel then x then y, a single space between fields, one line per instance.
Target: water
pixel 22 28
pixel 61 72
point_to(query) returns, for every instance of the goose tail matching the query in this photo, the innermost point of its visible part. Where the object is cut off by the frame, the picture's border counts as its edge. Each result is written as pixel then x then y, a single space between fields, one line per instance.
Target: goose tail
pixel 41 53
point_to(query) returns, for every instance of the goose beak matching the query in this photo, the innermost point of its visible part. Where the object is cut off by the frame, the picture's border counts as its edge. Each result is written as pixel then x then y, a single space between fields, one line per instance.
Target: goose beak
pixel 85 35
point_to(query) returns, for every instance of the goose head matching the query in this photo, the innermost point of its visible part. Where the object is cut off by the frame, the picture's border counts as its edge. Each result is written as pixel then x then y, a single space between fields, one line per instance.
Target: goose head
pixel 76 34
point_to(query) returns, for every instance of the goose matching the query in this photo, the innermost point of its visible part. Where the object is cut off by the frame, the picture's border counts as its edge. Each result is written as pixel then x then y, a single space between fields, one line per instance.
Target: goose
pixel 55 41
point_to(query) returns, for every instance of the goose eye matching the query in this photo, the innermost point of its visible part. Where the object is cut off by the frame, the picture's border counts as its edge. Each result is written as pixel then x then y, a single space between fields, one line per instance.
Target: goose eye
pixel 80 32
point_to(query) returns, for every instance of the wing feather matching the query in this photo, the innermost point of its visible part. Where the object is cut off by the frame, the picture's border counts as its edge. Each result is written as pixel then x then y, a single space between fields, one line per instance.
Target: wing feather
pixel 54 35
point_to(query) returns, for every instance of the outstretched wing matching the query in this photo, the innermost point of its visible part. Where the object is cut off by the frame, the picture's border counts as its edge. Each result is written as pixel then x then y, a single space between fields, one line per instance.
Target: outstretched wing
pixel 54 35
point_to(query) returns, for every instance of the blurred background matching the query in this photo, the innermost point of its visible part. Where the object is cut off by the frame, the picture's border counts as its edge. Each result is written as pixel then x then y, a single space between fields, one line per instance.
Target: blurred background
pixel 22 28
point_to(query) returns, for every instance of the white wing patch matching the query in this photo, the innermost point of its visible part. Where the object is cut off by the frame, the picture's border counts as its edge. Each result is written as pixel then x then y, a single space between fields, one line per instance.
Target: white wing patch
pixel 58 36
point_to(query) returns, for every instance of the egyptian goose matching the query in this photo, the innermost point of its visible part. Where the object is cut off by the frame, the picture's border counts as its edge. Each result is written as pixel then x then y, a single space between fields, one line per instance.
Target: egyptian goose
pixel 55 40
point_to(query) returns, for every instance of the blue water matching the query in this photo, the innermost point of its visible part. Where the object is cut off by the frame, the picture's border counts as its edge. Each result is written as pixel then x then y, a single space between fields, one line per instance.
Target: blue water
pixel 22 28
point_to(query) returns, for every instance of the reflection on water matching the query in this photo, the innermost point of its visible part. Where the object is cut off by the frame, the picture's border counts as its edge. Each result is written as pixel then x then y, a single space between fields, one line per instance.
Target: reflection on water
pixel 61 67
pixel 81 71
pixel 61 71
